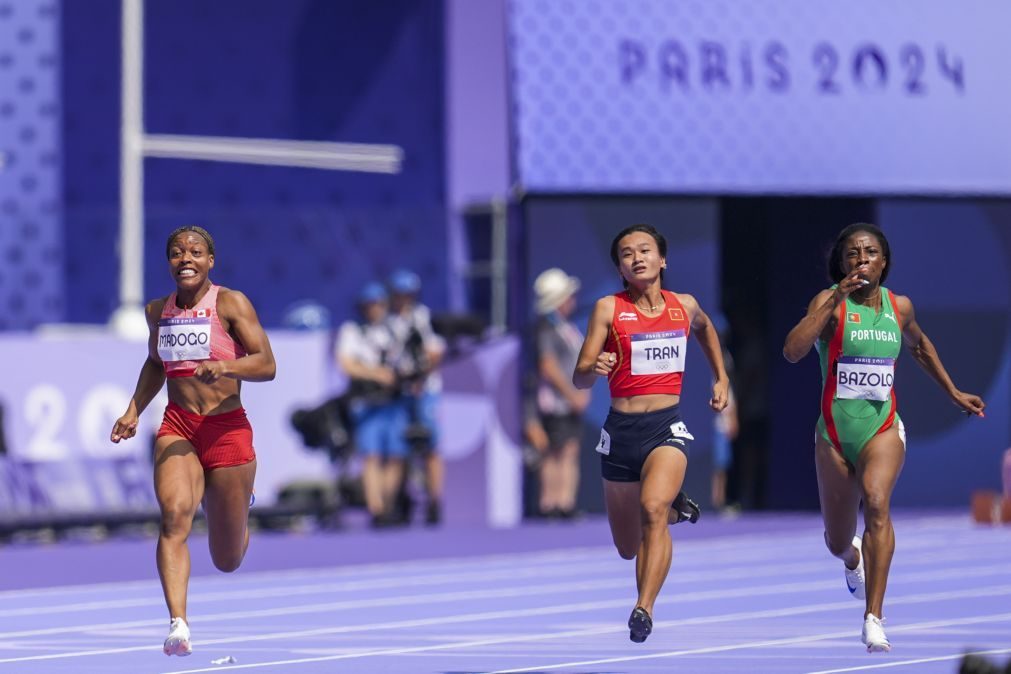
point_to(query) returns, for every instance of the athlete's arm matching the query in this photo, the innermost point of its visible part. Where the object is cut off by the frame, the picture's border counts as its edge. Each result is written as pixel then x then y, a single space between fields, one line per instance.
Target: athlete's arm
pixel 707 338
pixel 152 377
pixel 820 319
pixel 926 357
pixel 242 322
pixel 593 360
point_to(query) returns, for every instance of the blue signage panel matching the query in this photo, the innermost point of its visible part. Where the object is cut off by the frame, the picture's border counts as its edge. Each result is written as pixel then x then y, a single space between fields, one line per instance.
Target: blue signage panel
pixel 782 96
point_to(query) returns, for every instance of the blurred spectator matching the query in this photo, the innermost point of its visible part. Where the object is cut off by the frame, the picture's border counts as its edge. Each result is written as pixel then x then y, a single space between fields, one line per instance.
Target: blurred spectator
pixel 751 455
pixel 420 352
pixel 560 404
pixel 366 350
pixel 725 425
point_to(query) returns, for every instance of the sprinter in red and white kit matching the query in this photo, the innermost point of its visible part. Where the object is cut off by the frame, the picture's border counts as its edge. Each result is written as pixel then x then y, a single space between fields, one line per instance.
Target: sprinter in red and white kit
pixel 205 340
pixel 637 339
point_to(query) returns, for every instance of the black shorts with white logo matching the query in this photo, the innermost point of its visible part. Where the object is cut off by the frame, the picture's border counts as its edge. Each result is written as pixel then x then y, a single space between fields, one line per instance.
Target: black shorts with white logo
pixel 627 439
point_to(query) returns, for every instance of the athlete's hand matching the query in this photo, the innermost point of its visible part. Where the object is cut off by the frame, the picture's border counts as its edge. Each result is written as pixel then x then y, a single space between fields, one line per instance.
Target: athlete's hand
pixel 209 371
pixel 124 428
pixel 721 395
pixel 970 404
pixel 605 363
pixel 848 285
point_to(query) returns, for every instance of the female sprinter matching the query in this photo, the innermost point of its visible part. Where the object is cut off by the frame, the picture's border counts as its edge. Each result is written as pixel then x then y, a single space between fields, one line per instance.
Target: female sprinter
pixel 637 338
pixel 206 340
pixel 858 327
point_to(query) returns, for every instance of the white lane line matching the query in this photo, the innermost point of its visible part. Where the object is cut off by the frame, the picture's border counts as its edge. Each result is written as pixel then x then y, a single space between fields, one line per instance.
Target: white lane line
pixel 759 546
pixel 589 568
pixel 570 609
pixel 974 620
pixel 443 564
pixel 615 582
pixel 611 581
pixel 903 663
pixel 280 590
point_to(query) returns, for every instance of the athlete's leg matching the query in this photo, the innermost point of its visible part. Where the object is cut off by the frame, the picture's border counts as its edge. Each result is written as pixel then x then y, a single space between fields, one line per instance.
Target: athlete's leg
pixel 178 486
pixel 878 469
pixel 226 505
pixel 622 502
pixel 662 475
pixel 839 494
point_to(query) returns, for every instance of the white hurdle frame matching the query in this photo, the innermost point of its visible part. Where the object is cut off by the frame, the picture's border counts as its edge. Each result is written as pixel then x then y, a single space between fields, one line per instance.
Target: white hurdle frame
pixel 136 145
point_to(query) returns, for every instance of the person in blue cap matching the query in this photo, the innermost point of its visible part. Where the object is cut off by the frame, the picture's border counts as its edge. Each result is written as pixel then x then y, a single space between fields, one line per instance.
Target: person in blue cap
pixel 366 351
pixel 421 352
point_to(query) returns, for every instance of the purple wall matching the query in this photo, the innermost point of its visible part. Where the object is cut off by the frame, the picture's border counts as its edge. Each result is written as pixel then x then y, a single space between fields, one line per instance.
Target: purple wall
pixel 31 238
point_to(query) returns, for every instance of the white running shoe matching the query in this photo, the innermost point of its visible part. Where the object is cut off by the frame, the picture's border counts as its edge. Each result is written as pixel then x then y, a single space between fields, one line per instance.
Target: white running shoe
pixel 178 641
pixel 855 577
pixel 873 635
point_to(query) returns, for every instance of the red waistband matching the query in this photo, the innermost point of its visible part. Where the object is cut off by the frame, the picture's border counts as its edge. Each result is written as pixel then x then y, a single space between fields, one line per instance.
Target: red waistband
pixel 224 416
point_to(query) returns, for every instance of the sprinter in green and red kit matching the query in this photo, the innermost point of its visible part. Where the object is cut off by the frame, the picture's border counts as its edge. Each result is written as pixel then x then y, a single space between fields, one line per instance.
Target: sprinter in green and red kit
pixel 858 327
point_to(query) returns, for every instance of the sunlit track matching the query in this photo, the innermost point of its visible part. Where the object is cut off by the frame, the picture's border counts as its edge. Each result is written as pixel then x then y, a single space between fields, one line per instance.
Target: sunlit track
pixel 770 602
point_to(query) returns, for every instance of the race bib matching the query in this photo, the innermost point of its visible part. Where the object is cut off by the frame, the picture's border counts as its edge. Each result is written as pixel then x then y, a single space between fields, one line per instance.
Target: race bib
pixel 184 339
pixel 658 352
pixel 860 378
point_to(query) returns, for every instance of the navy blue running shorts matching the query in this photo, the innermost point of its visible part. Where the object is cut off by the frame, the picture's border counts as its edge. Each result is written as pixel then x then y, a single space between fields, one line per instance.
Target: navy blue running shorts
pixel 627 439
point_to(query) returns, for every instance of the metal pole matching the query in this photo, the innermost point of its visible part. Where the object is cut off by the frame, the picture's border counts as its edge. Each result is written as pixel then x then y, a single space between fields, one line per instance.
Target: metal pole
pixel 499 260
pixel 128 320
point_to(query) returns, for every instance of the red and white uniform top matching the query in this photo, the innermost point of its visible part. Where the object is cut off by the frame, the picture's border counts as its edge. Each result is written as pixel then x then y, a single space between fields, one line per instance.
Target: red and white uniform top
pixel 188 336
pixel 650 349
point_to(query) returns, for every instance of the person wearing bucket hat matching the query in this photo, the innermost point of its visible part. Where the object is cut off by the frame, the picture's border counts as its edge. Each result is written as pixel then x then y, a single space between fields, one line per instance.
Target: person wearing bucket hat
pixel 560 405
pixel 637 339
pixel 421 351
pixel 364 350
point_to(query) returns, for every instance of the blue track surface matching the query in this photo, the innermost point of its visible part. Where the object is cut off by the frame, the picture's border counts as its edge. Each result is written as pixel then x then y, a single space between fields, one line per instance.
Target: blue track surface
pixel 757 595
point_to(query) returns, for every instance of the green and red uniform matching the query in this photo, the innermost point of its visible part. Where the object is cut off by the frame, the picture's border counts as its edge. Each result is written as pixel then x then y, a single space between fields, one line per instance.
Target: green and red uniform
pixel 858 371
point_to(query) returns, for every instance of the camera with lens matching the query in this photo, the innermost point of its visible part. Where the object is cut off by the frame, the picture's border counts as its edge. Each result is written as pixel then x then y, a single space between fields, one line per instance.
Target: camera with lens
pixel 414 364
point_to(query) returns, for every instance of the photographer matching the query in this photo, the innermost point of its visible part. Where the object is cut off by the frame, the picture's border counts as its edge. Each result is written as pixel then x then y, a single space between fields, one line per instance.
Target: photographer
pixel 420 384
pixel 367 351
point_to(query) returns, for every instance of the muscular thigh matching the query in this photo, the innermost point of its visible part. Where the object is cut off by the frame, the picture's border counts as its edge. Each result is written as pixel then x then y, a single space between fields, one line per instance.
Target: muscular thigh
pixel 881 462
pixel 178 475
pixel 226 497
pixel 623 515
pixel 838 491
pixel 663 473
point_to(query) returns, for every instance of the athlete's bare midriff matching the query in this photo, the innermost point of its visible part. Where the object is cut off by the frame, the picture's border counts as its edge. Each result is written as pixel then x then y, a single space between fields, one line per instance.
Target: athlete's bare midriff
pixel 205 399
pixel 641 404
